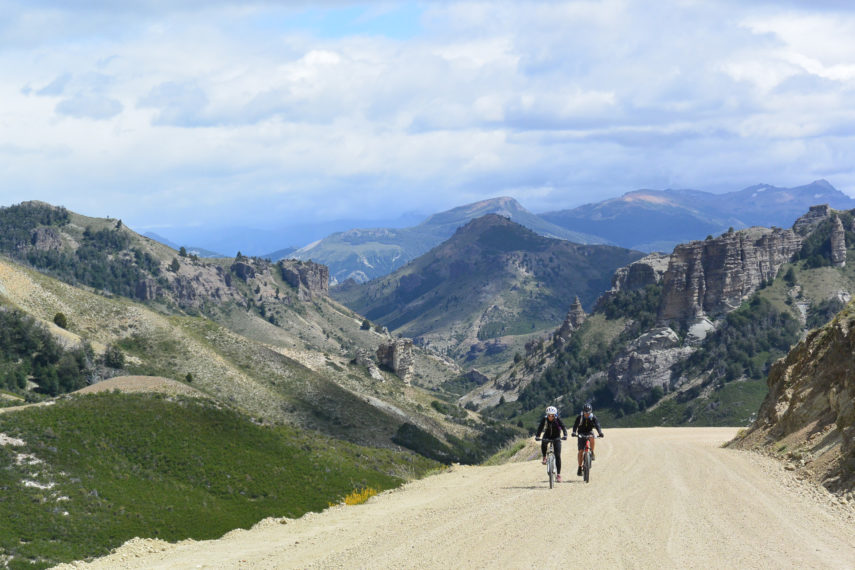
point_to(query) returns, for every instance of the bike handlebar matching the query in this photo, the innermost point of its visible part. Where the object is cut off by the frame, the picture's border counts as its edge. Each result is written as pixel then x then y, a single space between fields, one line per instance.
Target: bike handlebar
pixel 587 436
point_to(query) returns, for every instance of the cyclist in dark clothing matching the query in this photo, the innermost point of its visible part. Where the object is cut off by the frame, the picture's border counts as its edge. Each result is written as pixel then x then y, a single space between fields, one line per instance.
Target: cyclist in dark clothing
pixel 585 424
pixel 552 428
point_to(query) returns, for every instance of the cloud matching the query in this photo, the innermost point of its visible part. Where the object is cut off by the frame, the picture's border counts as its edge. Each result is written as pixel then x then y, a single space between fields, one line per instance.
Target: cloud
pixel 281 111
pixel 89 106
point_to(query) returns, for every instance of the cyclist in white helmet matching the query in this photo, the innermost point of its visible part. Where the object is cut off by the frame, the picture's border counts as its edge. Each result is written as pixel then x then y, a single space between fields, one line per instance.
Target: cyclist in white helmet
pixel 551 428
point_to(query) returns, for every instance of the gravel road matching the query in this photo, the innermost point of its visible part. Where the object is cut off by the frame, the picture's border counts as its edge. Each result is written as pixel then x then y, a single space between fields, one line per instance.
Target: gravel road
pixel 658 498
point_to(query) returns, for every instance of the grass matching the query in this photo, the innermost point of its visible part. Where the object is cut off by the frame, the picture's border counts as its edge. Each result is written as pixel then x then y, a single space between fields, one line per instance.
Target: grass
pixel 109 467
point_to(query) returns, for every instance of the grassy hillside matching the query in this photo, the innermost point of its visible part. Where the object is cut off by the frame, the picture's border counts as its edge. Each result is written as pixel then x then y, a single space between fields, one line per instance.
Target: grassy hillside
pixel 84 475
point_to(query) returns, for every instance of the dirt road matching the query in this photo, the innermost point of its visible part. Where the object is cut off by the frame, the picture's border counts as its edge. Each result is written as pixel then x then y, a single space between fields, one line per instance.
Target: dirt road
pixel 658 498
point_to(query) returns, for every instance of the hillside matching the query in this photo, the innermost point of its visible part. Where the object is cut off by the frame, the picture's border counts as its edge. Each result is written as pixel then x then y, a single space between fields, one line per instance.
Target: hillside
pixel 484 292
pixel 658 220
pixel 365 254
pixel 688 339
pixel 265 338
pixel 808 417
pixel 89 472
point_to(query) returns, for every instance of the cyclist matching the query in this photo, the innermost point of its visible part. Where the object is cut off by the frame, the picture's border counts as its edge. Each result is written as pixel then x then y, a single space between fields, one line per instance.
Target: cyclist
pixel 551 427
pixel 585 424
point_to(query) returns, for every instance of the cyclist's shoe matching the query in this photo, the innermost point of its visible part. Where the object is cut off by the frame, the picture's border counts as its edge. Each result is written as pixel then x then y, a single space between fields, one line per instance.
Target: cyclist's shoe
pixel 543 461
pixel 579 471
pixel 558 478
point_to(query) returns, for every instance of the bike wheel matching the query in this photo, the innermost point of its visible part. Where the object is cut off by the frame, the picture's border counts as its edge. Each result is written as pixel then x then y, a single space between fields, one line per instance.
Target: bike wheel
pixel 586 467
pixel 550 469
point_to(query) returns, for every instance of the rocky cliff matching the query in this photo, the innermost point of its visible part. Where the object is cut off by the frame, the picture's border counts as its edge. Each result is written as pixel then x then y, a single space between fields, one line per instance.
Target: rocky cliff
pixel 309 278
pixel 808 417
pixel 397 356
pixel 713 277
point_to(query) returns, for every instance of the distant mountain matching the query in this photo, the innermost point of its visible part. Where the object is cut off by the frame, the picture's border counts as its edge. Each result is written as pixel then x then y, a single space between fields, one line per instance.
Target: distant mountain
pixel 364 254
pixel 658 220
pixel 491 282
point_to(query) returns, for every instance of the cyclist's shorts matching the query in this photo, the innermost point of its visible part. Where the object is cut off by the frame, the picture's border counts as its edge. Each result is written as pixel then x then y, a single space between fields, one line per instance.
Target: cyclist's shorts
pixel 581 441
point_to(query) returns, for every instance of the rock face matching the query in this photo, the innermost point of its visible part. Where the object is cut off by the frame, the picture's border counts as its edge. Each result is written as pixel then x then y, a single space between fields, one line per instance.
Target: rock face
pixel 646 363
pixel 147 290
pixel 397 356
pixel 838 243
pixel 809 412
pixel 646 271
pixel 309 278
pixel 713 277
pixel 46 239
pixel 243 270
pixel 809 222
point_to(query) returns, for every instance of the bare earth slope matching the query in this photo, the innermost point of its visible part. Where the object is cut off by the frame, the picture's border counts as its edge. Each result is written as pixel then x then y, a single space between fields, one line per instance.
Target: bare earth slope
pixel 658 498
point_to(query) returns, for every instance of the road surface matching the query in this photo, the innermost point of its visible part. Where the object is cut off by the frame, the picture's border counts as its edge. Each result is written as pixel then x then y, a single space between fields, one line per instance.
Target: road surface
pixel 658 498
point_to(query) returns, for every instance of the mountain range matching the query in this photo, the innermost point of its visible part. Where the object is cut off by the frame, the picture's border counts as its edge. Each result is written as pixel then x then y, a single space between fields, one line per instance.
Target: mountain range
pixel 644 220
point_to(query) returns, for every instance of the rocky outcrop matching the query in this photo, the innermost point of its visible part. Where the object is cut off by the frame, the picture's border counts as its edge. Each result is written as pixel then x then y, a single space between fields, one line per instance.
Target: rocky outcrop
pixel 243 270
pixel 646 363
pixel 646 271
pixel 46 239
pixel 809 222
pixel 574 319
pixel 808 417
pixel 397 357
pixel 838 243
pixel 713 277
pixel 147 290
pixel 363 358
pixel 308 278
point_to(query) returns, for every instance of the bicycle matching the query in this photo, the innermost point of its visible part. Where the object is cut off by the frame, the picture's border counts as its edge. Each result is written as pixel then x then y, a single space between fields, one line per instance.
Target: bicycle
pixel 586 457
pixel 550 460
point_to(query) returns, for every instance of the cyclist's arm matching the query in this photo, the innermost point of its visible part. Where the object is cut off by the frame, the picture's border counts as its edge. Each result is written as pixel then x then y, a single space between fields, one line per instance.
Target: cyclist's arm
pixel 597 425
pixel 540 427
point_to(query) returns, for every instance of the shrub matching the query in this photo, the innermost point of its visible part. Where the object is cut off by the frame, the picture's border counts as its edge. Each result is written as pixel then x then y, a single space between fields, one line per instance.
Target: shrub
pixel 60 320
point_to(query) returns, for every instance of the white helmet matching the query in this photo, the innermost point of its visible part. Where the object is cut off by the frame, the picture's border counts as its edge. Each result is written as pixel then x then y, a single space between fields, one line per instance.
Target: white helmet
pixel 552 410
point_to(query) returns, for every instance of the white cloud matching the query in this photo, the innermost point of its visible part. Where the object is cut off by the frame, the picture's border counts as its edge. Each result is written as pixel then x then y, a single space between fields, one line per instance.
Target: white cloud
pixel 225 109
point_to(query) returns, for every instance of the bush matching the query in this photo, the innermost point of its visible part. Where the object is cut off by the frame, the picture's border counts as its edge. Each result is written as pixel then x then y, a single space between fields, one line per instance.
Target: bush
pixel 60 320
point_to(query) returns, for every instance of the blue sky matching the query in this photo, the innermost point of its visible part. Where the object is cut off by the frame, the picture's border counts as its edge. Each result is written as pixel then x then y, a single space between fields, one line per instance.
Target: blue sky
pixel 211 113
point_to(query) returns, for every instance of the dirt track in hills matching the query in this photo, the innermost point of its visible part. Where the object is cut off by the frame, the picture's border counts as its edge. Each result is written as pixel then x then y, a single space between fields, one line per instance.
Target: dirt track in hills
pixel 658 498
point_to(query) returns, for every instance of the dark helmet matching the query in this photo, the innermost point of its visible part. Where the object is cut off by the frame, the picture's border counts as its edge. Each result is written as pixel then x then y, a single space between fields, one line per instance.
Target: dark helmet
pixel 587 408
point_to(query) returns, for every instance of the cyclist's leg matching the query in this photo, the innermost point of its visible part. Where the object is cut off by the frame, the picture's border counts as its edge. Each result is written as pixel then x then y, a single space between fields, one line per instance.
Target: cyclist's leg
pixel 557 449
pixel 581 445
pixel 543 444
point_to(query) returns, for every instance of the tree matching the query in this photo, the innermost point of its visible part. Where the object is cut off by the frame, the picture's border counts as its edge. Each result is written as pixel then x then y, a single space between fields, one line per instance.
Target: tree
pixel 60 320
pixel 366 325
pixel 188 378
pixel 174 266
pixel 182 251
pixel 114 357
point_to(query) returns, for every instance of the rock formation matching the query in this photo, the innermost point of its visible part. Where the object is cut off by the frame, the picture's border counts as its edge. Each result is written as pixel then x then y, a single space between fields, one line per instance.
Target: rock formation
pixel 243 270
pixel 838 243
pixel 646 363
pixel 646 271
pixel 45 239
pixel 713 277
pixel 309 278
pixel 397 357
pixel 809 222
pixel 574 319
pixel 808 417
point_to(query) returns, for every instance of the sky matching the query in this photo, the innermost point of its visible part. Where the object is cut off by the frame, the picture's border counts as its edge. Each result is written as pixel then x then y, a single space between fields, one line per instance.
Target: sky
pixel 207 113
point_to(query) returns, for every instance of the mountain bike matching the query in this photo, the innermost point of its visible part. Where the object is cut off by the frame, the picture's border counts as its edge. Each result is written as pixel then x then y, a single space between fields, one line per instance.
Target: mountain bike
pixel 550 461
pixel 586 456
